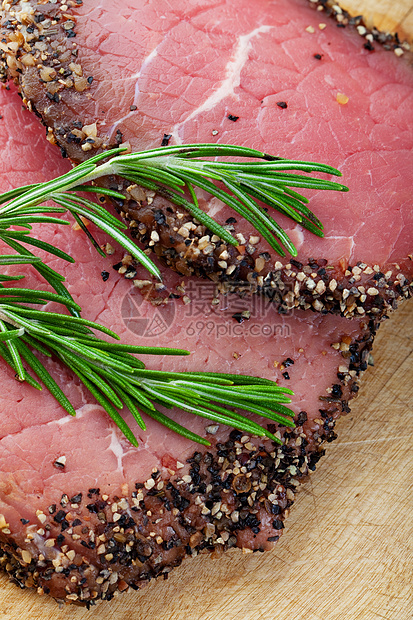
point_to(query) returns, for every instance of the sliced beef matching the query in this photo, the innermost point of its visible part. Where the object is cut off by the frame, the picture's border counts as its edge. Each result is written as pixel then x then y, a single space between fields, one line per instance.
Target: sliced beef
pixel 82 512
pixel 268 75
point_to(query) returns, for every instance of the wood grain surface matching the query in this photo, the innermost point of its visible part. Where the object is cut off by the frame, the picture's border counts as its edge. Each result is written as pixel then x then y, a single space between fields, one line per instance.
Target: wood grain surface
pixel 347 550
pixel 386 15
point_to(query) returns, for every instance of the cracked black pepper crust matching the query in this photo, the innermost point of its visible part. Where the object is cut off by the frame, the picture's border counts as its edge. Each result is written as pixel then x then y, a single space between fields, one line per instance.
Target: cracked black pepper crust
pixel 39 51
pixel 237 493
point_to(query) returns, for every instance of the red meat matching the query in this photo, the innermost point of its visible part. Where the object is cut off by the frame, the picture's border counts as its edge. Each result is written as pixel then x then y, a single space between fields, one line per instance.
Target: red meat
pixel 82 512
pixel 266 75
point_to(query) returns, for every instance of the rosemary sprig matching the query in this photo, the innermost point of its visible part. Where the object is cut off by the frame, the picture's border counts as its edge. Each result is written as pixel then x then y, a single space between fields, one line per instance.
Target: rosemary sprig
pixel 110 371
pixel 117 379
pixel 174 172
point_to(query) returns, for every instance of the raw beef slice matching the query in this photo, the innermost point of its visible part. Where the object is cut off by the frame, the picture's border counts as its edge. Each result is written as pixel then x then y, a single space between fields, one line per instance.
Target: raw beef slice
pixel 83 513
pixel 277 76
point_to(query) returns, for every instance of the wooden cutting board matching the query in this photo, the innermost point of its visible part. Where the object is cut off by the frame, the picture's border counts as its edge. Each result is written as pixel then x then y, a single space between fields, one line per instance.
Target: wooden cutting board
pixel 347 550
pixel 386 15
